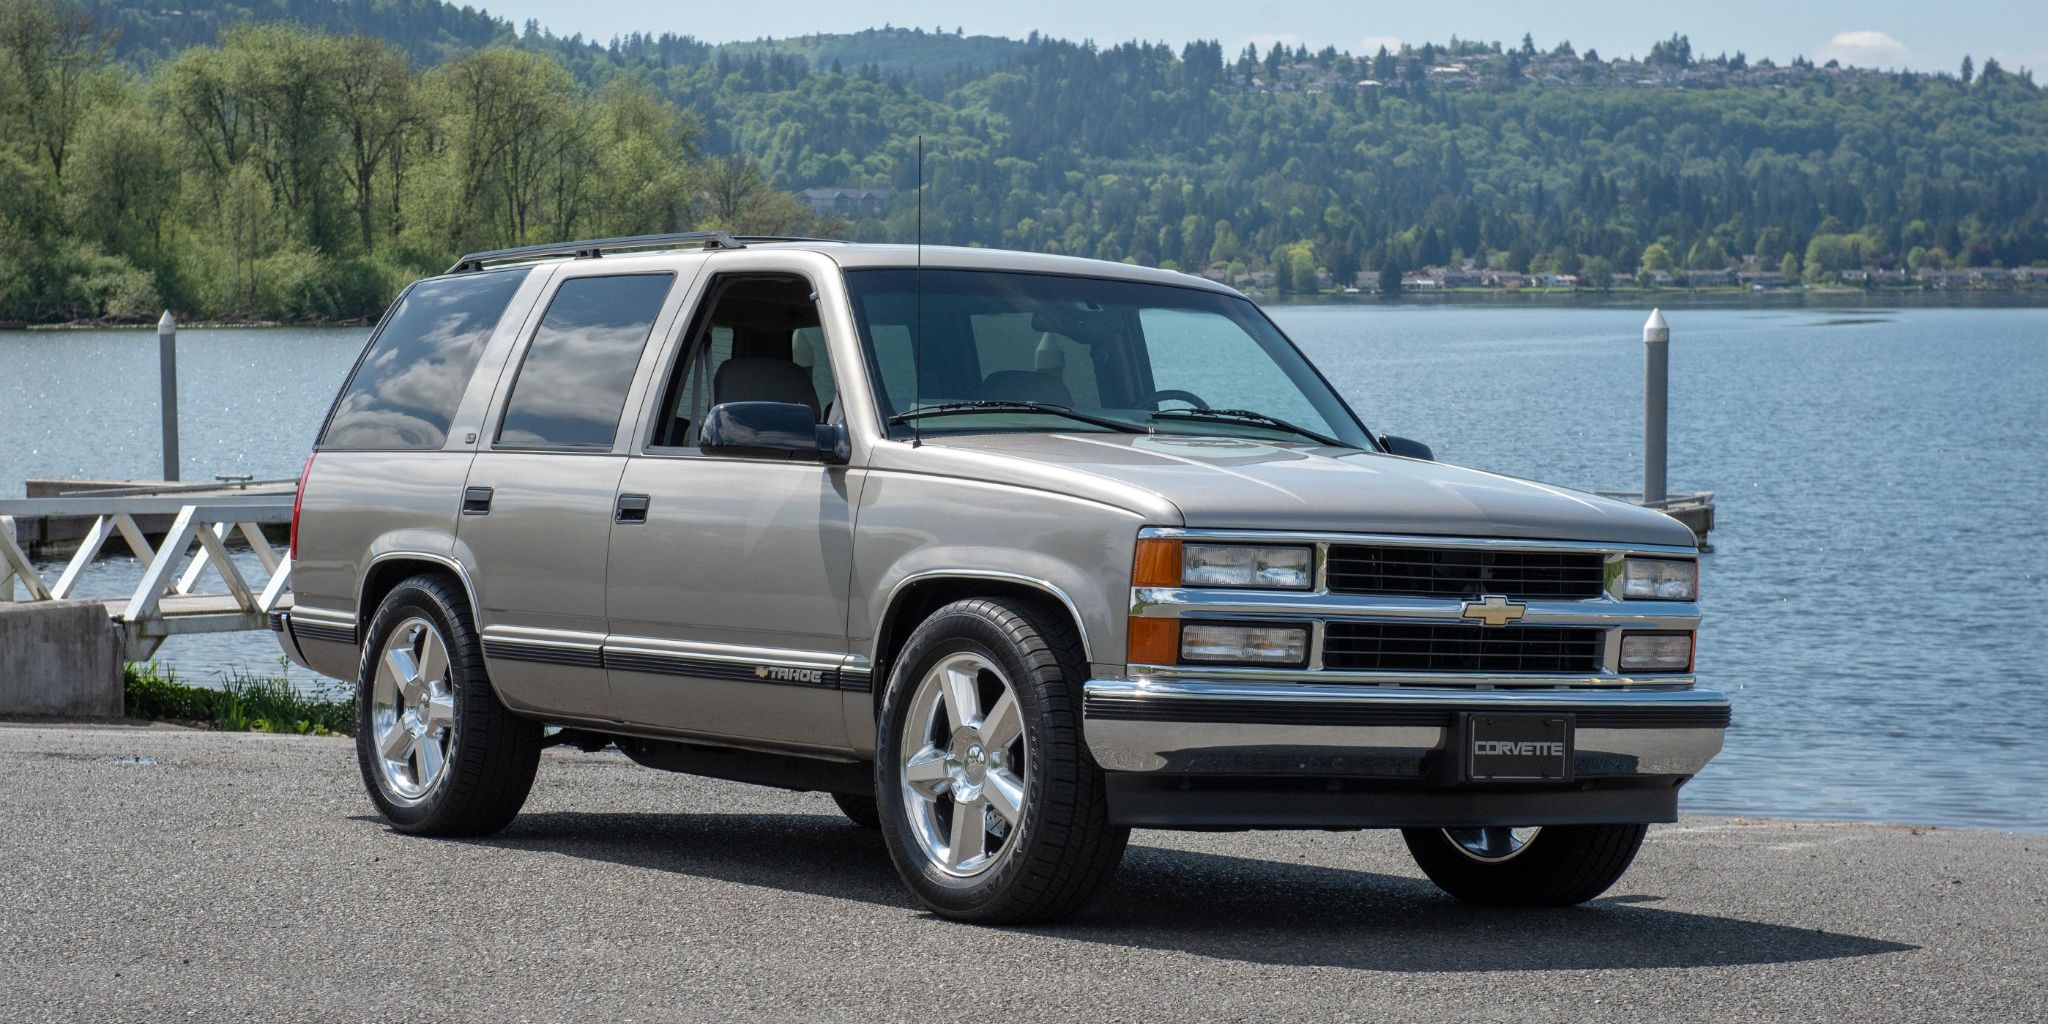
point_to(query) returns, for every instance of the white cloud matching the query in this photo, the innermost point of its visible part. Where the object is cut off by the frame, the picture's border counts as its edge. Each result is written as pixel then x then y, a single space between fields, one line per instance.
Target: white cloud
pixel 1865 47
pixel 1371 45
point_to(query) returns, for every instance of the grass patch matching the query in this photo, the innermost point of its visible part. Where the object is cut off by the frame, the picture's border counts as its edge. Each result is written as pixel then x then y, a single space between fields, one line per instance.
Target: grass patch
pixel 245 703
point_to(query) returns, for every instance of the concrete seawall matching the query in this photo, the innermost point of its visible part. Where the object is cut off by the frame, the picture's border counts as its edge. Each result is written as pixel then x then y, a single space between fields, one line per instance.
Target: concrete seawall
pixel 59 658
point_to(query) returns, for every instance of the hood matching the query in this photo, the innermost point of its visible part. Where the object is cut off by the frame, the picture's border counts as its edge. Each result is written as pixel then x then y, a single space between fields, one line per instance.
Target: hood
pixel 1231 483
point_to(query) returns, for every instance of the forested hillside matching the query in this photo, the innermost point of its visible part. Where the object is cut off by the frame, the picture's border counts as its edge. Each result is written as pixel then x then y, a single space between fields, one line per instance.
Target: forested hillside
pixel 154 155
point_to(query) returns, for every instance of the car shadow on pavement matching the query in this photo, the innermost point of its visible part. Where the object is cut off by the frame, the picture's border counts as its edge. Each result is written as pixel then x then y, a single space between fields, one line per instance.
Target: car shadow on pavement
pixel 1236 908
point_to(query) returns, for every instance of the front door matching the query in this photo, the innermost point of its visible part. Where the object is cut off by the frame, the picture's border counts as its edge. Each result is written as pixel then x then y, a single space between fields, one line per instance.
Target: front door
pixel 538 507
pixel 728 593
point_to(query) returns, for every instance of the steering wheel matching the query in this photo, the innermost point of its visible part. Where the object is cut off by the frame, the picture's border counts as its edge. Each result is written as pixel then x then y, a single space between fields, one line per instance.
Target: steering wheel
pixel 1175 395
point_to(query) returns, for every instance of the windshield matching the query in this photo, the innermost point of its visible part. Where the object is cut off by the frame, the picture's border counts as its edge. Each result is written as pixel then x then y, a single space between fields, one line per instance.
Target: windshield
pixel 1026 352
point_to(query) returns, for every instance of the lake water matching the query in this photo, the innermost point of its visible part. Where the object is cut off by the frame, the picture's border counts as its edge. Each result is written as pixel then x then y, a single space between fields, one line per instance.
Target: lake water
pixel 1874 602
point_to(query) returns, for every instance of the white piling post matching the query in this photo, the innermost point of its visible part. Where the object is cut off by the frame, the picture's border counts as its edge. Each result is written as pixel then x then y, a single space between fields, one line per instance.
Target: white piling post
pixel 167 377
pixel 1656 385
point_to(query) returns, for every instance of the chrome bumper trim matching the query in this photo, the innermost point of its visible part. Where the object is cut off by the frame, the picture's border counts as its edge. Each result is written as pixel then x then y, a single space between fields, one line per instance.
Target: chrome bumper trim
pixel 1211 727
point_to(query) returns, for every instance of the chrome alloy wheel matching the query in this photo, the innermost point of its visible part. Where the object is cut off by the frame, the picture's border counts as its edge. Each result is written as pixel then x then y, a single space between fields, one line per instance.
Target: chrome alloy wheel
pixel 1492 845
pixel 412 711
pixel 966 765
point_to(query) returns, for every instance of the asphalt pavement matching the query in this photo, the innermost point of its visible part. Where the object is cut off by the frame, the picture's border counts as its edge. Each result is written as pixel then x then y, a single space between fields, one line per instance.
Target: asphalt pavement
pixel 159 874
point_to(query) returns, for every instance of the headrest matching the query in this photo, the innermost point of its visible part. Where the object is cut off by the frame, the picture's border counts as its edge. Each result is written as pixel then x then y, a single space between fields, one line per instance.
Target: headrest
pixel 755 379
pixel 1049 355
pixel 1026 386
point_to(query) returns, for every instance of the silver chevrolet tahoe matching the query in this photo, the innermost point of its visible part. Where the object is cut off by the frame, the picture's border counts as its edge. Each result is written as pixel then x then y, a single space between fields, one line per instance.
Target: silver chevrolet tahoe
pixel 1009 553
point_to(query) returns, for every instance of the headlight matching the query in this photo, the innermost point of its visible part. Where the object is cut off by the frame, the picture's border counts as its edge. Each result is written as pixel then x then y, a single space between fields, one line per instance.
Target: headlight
pixel 1660 579
pixel 1656 652
pixel 1247 565
pixel 1244 645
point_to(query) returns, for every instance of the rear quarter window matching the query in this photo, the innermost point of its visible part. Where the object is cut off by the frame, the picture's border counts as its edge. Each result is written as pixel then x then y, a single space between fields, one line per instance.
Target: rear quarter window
pixel 404 392
pixel 571 387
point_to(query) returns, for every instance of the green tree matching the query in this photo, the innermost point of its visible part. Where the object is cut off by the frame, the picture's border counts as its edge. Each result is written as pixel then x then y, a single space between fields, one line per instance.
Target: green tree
pixel 1390 278
pixel 375 108
pixel 54 57
pixel 1226 247
pixel 1656 259
pixel 124 187
pixel 1828 255
pixel 1706 254
pixel 508 117
pixel 1599 273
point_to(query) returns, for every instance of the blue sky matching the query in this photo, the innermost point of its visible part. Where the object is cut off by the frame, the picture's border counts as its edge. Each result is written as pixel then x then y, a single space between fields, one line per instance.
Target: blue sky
pixel 1927 35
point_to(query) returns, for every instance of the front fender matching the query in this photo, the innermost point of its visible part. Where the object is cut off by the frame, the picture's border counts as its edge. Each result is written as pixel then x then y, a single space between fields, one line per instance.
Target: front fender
pixel 913 528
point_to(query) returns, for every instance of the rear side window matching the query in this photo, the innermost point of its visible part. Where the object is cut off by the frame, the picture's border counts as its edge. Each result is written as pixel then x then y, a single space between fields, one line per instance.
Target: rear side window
pixel 572 385
pixel 404 392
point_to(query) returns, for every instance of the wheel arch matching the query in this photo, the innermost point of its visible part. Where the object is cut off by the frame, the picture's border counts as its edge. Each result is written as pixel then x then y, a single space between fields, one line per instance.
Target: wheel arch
pixel 386 571
pixel 916 597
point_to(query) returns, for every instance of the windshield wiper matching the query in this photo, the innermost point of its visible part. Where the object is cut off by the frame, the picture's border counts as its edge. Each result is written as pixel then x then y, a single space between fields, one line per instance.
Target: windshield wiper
pixel 1002 405
pixel 1251 416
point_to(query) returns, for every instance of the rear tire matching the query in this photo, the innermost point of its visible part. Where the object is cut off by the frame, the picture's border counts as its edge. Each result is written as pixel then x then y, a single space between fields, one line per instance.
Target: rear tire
pixel 860 810
pixel 1559 866
pixel 440 755
pixel 995 814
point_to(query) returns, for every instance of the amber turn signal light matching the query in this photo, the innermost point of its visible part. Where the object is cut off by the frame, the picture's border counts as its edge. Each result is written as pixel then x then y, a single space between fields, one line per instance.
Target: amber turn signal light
pixel 1153 641
pixel 1157 563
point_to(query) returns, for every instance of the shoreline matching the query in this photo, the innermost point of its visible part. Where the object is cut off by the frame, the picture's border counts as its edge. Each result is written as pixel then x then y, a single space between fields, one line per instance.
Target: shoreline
pixel 1681 298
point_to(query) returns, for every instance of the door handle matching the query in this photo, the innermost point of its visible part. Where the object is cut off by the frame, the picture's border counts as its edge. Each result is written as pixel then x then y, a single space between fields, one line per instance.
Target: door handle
pixel 476 501
pixel 632 508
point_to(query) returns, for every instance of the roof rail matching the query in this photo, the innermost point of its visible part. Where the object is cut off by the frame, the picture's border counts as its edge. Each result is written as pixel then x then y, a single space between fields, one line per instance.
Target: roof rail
pixel 592 248
pixel 787 238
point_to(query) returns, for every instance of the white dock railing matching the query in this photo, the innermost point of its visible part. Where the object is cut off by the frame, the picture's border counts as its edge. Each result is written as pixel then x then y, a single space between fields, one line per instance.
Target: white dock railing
pixel 167 600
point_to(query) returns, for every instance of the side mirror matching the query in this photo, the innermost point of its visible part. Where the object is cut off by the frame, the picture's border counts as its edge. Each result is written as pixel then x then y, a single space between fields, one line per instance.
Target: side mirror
pixel 774 430
pixel 1404 447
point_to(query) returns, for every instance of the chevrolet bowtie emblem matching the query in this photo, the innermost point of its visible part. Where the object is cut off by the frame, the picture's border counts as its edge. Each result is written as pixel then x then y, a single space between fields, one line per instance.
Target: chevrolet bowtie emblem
pixel 1494 610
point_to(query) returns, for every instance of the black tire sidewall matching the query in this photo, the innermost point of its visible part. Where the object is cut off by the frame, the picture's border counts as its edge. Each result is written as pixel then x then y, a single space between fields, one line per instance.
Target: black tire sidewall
pixel 1563 865
pixel 410 598
pixel 860 810
pixel 953 630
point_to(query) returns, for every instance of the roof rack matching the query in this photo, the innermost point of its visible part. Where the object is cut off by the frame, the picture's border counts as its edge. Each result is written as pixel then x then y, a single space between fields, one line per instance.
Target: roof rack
pixel 786 238
pixel 592 248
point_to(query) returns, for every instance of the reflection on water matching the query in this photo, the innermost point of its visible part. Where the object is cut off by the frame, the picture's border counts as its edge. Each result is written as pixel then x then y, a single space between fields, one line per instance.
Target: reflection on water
pixel 1880 552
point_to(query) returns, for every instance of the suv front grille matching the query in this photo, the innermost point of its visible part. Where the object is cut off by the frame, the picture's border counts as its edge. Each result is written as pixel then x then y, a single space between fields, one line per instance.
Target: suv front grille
pixel 1464 572
pixel 1384 647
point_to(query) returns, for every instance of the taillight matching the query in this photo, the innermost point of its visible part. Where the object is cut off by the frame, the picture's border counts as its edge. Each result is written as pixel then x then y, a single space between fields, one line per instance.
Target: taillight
pixel 299 498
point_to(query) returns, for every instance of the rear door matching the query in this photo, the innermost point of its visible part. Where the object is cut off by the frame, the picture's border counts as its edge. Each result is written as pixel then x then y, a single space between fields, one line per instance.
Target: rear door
pixel 537 507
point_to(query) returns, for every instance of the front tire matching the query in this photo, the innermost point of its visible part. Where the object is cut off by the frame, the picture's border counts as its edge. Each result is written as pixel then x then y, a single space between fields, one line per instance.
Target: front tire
pixel 440 755
pixel 991 807
pixel 1556 866
pixel 860 810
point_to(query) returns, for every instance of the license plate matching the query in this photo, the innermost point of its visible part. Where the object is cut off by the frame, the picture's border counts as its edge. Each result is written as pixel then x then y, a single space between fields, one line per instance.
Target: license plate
pixel 1519 746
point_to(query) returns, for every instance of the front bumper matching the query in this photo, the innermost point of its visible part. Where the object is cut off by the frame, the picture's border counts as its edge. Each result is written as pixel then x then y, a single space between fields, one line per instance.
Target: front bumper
pixel 1210 754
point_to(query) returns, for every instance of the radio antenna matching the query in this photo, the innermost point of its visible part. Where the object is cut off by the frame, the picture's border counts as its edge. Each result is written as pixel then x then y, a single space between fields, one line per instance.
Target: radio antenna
pixel 917 325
